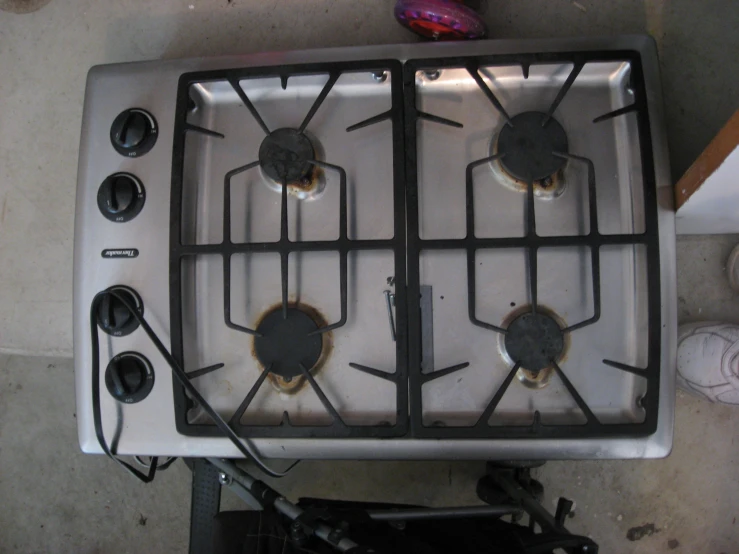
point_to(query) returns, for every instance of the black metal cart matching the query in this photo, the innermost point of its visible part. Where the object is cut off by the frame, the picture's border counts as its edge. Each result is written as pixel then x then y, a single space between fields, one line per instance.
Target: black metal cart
pixel 274 524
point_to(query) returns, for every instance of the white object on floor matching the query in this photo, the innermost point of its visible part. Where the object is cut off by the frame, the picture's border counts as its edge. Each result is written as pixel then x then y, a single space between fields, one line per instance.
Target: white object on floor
pixel 708 361
pixel 706 196
pixel 732 268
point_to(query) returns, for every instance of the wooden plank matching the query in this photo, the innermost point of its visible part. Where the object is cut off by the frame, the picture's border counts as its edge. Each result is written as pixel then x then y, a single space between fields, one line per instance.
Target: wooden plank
pixel 709 161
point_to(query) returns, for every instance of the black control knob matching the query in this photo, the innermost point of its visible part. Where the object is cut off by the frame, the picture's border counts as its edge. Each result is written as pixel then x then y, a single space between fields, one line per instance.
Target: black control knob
pixel 129 377
pixel 133 132
pixel 113 316
pixel 121 197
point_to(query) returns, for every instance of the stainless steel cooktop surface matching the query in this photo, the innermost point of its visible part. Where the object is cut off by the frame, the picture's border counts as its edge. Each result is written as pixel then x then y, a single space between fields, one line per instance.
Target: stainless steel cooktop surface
pixel 421 251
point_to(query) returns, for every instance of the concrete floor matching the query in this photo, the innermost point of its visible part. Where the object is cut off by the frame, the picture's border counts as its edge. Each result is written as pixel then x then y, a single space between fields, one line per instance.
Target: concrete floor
pixel 54 499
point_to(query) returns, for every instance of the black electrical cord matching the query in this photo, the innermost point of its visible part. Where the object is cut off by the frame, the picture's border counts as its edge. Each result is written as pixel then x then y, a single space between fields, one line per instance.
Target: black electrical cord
pixel 244 447
pixel 160 467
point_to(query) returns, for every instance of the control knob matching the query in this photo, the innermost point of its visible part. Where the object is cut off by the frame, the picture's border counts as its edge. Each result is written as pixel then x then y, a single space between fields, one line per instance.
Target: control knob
pixel 129 377
pixel 133 132
pixel 121 197
pixel 113 316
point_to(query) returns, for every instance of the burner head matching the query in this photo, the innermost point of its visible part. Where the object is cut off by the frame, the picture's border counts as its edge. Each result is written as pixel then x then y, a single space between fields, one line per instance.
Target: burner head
pixel 529 147
pixel 534 340
pixel 283 155
pixel 285 342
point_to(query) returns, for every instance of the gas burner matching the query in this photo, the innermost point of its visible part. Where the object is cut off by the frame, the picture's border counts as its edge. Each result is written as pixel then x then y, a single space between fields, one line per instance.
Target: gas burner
pixel 534 340
pixel 284 156
pixel 285 342
pixel 528 144
pixel 523 325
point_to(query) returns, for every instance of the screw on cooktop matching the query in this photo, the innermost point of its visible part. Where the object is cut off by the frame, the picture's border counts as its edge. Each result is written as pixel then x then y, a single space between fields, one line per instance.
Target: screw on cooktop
pixel 380 76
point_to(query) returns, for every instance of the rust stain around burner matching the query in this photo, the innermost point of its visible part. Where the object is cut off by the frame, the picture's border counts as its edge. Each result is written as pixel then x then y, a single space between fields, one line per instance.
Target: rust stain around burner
pixel 552 186
pixel 540 378
pixel 287 381
pixel 285 153
pixel 309 183
pixel 309 186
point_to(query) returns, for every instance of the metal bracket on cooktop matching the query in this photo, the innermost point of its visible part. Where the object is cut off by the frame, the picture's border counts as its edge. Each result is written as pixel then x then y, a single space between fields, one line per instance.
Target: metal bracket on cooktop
pixel 390 302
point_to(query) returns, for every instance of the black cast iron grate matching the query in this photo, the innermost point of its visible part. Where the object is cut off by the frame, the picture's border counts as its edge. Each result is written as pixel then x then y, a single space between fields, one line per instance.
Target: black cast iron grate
pixel 286 155
pixel 408 355
pixel 542 146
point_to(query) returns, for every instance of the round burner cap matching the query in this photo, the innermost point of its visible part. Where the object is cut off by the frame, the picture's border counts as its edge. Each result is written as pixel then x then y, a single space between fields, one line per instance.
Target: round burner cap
pixel 285 343
pixel 534 340
pixel 284 155
pixel 528 147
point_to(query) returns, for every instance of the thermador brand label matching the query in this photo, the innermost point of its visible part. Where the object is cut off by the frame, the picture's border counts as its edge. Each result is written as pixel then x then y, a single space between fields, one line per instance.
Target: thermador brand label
pixel 120 253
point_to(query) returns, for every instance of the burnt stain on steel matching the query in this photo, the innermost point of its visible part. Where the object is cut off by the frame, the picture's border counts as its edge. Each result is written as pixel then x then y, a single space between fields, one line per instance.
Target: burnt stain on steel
pixel 551 186
pixel 535 379
pixel 672 544
pixel 309 183
pixel 296 384
pixel 641 531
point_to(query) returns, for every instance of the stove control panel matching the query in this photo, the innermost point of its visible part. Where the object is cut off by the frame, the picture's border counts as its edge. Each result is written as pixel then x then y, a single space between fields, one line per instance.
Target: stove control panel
pixel 133 132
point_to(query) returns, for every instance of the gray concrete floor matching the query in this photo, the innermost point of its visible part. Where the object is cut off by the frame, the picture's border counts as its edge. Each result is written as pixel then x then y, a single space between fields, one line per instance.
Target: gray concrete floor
pixel 54 499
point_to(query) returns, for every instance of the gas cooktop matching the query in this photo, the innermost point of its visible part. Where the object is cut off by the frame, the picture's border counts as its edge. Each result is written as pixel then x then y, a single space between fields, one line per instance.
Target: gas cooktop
pixel 417 251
